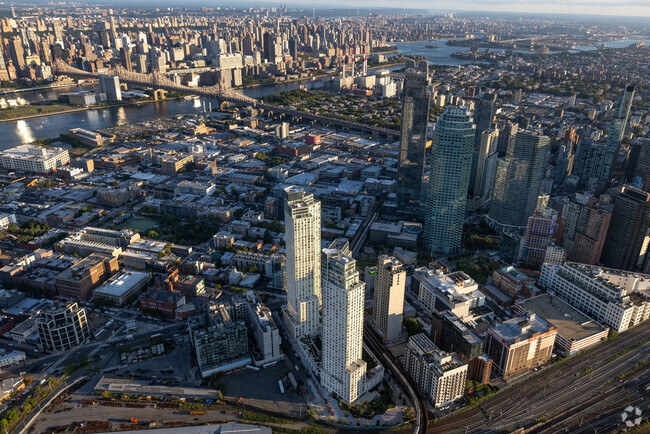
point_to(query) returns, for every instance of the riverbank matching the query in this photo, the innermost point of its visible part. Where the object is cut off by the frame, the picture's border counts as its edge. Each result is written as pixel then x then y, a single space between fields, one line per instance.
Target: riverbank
pixel 67 110
pixel 37 88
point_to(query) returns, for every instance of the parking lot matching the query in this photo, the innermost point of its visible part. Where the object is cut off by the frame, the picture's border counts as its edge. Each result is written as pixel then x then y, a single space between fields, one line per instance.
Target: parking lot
pixel 260 389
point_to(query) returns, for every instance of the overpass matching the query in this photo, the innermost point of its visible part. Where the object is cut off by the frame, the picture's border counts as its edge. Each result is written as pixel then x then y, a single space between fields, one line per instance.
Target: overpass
pixel 224 94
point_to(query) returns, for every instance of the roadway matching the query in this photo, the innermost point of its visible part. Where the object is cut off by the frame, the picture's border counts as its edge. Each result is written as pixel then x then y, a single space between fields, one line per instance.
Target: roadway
pixel 557 390
pixel 222 93
pixel 390 364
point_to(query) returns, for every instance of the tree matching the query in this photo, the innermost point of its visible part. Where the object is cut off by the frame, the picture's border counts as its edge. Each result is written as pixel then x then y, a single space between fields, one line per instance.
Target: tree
pixel 413 327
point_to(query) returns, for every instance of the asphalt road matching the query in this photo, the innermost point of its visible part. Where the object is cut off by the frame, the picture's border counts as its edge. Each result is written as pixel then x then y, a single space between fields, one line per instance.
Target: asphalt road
pixel 557 389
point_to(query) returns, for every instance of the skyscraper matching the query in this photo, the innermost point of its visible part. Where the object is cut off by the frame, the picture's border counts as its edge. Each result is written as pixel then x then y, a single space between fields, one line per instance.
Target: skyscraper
pixel 125 59
pixel 484 118
pixel 343 370
pixel 413 137
pixel 110 85
pixel 586 229
pixel 451 158
pixel 618 124
pixel 518 180
pixel 486 166
pixel 628 229
pixel 302 222
pixel 507 134
pixel 388 305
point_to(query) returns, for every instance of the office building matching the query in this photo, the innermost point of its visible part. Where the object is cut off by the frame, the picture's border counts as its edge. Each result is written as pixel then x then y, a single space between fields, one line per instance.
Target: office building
pixel 486 167
pixel 507 135
pixel 219 342
pixel 62 326
pixel 619 123
pixel 32 158
pixel 388 305
pixel 451 157
pixel 343 369
pixel 616 298
pixel 484 113
pixel 110 85
pixel 575 330
pixel 413 137
pixel 539 235
pixel 627 230
pixel 302 222
pixel 518 179
pixel 79 281
pixel 125 58
pixel 439 375
pixel 593 163
pixel 587 223
pixel 642 166
pixel 122 289
pixel 520 344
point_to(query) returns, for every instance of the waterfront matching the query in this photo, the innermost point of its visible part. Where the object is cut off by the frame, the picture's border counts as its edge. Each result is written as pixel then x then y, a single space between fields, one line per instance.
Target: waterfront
pixel 27 130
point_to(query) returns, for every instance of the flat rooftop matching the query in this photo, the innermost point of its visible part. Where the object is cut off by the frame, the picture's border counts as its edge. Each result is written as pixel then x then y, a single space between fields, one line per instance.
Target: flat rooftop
pixel 121 385
pixel 226 428
pixel 570 323
pixel 122 283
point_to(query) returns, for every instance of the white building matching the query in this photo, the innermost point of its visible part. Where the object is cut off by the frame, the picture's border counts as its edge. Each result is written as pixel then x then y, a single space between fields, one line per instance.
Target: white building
pixel 440 375
pixel 264 330
pixel 302 222
pixel 62 327
pixel 343 370
pixel 388 305
pixel 11 358
pixel 6 220
pixel 617 298
pixel 122 289
pixel 455 291
pixel 32 158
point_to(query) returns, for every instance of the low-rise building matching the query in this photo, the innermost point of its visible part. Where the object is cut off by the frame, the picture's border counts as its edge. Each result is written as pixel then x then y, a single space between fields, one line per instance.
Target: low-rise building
pixel 439 375
pixel 33 158
pixel 78 281
pixel 512 281
pixel 575 330
pixel 616 298
pixel 11 358
pixel 164 303
pixel 520 344
pixel 122 289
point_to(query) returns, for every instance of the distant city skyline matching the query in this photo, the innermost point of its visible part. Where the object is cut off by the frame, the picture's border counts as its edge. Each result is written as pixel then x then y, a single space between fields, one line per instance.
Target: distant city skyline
pixel 621 8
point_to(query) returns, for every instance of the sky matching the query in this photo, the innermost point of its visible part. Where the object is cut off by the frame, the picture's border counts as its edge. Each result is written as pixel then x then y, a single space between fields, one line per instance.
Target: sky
pixel 630 8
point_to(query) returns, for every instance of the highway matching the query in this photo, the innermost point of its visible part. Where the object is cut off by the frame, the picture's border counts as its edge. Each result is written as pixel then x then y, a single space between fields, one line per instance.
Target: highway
pixel 390 364
pixel 556 391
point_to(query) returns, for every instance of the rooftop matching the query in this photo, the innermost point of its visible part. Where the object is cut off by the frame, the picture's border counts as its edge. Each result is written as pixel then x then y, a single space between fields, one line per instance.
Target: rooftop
pixel 571 324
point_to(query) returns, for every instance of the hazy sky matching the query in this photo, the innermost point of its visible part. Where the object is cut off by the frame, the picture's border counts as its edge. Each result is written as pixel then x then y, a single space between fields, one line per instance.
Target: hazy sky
pixel 631 8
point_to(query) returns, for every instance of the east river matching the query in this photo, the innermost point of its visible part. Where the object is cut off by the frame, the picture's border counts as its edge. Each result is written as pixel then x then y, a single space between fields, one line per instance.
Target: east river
pixel 27 130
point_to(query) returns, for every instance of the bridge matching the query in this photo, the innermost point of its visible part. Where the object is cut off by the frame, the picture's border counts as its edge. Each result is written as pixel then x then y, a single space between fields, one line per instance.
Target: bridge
pixel 223 93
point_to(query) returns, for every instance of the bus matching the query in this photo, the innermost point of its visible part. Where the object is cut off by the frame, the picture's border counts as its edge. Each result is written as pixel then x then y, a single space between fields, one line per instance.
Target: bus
pixel 268 365
pixel 156 336
pixel 252 368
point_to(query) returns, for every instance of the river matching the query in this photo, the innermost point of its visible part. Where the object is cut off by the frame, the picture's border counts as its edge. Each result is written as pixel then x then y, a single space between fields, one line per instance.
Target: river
pixel 26 131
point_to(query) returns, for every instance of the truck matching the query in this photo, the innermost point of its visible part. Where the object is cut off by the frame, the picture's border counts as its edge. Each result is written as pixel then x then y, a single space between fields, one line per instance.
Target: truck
pixel 297 368
pixel 281 386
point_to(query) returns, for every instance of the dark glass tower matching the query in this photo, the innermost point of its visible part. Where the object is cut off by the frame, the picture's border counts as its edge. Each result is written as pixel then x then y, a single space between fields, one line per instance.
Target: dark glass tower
pixel 413 137
pixel 518 180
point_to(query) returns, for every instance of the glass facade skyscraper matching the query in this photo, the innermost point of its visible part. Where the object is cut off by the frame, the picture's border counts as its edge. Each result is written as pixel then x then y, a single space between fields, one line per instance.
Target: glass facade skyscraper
pixel 413 138
pixel 451 158
pixel 518 180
